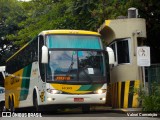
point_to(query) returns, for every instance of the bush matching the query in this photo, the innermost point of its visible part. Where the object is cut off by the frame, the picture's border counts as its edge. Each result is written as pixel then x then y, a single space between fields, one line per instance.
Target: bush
pixel 150 101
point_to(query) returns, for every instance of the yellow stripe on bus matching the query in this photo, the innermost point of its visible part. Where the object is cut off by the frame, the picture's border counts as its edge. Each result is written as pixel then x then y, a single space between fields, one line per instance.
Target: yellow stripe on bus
pixel 17 52
pixel 68 88
pixel 83 32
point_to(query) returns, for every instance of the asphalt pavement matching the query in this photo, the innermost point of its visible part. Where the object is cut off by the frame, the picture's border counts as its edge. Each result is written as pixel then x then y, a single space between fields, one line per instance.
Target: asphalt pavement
pixel 97 113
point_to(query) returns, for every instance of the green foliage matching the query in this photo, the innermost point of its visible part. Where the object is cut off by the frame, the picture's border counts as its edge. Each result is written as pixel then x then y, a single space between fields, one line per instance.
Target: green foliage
pixel 11 13
pixel 45 15
pixel 21 21
pixel 150 101
pixel 150 10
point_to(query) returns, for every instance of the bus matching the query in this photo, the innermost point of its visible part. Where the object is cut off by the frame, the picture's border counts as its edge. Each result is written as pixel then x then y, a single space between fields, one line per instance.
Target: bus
pixel 58 67
pixel 2 90
pixel 2 99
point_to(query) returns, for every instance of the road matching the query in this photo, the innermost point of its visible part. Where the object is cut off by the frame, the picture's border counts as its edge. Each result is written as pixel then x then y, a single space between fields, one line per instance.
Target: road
pixel 76 114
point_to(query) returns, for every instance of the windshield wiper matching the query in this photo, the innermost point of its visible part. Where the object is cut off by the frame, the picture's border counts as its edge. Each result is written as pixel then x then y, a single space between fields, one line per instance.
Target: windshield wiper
pixel 71 66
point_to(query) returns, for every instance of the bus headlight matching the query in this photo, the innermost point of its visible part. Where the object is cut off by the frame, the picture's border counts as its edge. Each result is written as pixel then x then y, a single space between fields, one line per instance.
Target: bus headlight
pixel 100 91
pixel 53 91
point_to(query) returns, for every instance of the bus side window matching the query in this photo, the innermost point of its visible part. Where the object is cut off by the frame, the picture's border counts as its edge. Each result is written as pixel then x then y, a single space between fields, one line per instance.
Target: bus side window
pixel 41 66
pixel 34 50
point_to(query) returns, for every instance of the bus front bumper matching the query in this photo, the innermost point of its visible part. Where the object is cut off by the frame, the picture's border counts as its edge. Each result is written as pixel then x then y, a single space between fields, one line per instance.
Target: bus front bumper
pixel 76 98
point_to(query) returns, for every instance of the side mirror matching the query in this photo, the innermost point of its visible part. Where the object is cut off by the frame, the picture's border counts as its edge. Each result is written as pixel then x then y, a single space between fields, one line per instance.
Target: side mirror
pixel 110 55
pixel 3 69
pixel 44 54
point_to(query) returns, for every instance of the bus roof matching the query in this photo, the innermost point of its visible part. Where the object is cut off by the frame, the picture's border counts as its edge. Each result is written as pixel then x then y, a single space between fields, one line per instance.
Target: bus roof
pixel 83 32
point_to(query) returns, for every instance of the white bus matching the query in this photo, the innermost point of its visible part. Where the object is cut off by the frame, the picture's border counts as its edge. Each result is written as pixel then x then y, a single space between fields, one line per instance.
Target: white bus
pixel 2 90
pixel 58 67
pixel 2 98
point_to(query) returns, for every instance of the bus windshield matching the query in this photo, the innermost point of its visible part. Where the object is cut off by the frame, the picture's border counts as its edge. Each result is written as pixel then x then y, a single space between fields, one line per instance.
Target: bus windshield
pixel 73 41
pixel 76 66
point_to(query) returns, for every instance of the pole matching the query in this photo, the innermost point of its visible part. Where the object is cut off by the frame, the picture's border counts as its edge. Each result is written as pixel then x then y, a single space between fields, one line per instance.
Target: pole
pixel 143 75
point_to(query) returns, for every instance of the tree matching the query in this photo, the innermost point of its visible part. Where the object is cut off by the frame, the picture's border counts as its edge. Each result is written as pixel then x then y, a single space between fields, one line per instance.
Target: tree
pixel 22 21
pixel 11 13
pixel 44 15
pixel 150 10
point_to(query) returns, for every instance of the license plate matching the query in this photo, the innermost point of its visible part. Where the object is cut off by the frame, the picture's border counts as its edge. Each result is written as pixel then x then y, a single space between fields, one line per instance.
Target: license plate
pixel 78 99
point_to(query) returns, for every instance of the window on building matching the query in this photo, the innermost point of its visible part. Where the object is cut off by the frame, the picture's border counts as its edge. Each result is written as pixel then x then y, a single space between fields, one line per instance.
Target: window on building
pixel 121 50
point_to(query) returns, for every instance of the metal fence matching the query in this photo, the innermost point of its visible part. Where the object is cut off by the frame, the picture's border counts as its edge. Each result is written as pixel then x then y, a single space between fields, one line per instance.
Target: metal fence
pixel 152 75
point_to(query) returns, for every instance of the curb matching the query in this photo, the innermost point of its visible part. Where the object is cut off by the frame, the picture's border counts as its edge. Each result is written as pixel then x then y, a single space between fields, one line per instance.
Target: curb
pixel 127 111
pixel 121 110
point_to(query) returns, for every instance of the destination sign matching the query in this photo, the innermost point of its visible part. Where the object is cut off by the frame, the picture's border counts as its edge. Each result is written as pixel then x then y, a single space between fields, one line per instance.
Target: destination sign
pixel 62 78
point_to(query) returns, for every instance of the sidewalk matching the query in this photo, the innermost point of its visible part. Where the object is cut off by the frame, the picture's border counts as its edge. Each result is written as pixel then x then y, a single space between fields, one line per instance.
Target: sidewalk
pixel 124 110
pixel 128 111
pixel 131 109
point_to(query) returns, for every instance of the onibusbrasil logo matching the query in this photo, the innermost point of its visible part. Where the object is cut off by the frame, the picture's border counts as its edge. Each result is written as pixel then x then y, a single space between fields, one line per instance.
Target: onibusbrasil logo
pixel 13 114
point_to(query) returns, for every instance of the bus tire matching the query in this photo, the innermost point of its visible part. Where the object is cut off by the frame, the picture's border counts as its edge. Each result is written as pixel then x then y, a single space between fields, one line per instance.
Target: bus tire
pixel 11 105
pixel 35 101
pixel 2 106
pixel 86 108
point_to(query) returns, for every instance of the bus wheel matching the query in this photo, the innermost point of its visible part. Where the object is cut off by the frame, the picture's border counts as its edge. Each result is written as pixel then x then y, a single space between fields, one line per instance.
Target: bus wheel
pixel 35 101
pixel 2 106
pixel 86 108
pixel 11 105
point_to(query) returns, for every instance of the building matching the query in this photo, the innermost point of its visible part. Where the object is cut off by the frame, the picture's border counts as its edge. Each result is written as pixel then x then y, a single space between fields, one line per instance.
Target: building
pixel 124 36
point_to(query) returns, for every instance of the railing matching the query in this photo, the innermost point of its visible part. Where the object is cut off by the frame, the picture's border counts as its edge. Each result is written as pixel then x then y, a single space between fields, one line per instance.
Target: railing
pixel 152 75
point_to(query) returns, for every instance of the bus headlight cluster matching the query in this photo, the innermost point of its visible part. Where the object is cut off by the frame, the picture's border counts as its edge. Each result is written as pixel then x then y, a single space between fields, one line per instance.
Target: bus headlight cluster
pixel 53 91
pixel 100 91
